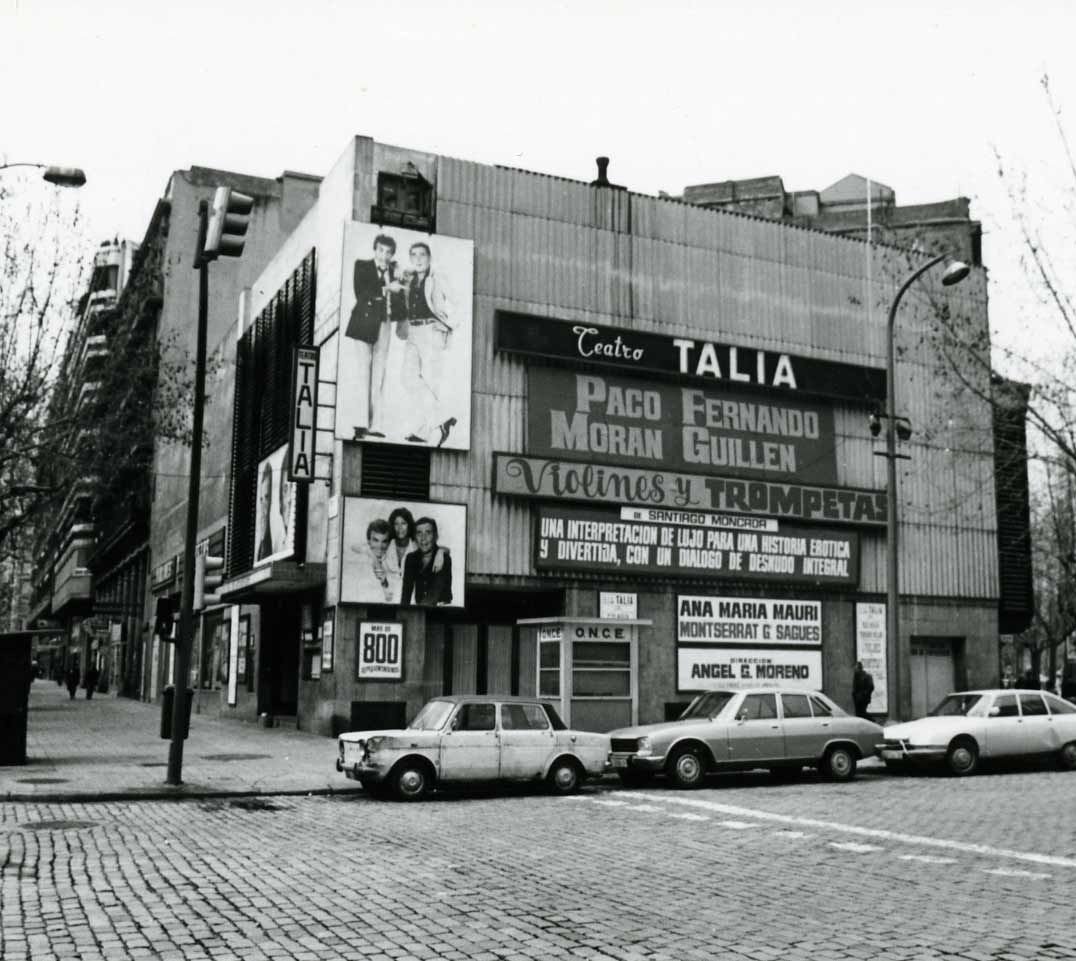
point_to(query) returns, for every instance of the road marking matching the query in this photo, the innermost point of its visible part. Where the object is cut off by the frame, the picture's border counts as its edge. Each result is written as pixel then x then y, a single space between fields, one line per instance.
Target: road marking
pixel 877 834
pixel 1016 873
pixel 653 809
pixel 855 847
pixel 738 825
pixel 926 858
pixel 793 834
pixel 612 804
pixel 690 817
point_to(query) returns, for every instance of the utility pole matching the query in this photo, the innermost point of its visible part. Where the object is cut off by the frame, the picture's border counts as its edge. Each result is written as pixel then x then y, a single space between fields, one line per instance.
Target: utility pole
pixel 185 638
pixel 220 235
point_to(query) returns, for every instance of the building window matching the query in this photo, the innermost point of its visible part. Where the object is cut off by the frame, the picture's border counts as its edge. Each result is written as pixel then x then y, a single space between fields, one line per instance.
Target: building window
pixel 404 200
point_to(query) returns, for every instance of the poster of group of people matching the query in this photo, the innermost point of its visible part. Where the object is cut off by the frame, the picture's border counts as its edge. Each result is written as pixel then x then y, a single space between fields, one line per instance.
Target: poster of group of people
pixel 404 374
pixel 403 553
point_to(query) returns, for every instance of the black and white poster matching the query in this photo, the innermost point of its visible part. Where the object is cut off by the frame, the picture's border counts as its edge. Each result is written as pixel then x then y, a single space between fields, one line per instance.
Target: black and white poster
pixel 403 553
pixel 274 520
pixel 405 338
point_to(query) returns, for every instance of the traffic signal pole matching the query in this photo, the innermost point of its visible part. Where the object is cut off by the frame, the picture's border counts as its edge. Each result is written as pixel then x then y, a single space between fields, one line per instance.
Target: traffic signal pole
pixel 185 639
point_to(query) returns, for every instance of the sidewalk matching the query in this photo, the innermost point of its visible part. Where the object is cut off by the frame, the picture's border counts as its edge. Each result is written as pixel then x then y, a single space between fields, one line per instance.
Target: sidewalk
pixel 109 748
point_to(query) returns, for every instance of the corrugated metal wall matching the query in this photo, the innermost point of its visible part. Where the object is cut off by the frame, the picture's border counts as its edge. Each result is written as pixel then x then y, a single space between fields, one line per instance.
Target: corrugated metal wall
pixel 558 248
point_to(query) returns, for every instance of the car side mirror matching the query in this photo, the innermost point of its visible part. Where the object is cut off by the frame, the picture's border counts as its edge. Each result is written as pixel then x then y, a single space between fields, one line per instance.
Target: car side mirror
pixel 455 725
pixel 995 712
pixel 742 717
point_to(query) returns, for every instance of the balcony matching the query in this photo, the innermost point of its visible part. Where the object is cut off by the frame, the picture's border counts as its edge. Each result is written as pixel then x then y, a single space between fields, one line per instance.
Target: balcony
pixel 94 349
pixel 87 392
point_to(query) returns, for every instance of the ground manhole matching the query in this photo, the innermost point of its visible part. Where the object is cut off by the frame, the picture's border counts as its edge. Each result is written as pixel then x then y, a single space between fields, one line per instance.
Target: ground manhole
pixel 40 780
pixel 234 757
pixel 57 825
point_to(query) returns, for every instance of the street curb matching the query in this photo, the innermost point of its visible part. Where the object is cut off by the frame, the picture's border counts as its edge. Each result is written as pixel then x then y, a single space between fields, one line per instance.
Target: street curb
pixel 172 794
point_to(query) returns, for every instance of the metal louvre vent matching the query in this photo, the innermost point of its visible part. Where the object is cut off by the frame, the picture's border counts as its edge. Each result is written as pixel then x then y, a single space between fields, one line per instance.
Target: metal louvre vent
pixel 398 473
pixel 262 413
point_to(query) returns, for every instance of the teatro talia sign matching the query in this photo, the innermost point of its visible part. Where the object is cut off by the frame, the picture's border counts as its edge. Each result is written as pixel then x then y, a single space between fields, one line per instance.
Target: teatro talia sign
pixel 692 357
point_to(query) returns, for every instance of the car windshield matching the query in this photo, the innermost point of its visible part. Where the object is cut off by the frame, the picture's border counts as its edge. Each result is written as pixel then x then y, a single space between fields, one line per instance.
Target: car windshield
pixel 956 705
pixel 707 705
pixel 432 717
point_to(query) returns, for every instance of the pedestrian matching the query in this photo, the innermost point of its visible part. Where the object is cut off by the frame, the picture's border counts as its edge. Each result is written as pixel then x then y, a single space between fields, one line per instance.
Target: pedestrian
pixel 71 680
pixel 92 676
pixel 862 689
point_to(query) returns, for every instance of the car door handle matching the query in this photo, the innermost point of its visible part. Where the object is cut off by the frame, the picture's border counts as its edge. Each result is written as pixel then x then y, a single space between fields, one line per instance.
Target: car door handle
pixel 775 727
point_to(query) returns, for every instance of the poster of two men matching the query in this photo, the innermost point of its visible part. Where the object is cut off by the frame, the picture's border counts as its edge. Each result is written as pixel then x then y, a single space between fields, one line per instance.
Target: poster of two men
pixel 404 374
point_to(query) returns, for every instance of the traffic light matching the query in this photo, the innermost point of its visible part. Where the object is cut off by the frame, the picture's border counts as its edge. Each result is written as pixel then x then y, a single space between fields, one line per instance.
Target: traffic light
pixel 163 618
pixel 207 578
pixel 228 221
pixel 875 424
pixel 903 428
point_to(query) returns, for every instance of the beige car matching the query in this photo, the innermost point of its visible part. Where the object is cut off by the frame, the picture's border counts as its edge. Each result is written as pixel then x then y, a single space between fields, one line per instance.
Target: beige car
pixel 472 738
pixel 778 729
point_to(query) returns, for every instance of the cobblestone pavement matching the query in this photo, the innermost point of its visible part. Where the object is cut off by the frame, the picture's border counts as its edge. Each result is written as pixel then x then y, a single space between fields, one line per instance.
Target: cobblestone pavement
pixel 888 869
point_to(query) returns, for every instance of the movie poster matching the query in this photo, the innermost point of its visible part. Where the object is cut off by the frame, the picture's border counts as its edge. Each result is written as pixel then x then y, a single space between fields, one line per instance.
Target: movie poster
pixel 403 553
pixel 404 374
pixel 274 520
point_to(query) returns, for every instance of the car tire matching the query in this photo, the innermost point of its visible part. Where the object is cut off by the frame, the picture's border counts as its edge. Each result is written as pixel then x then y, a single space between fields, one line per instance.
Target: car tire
pixel 633 779
pixel 962 758
pixel 839 764
pixel 1066 757
pixel 685 769
pixel 564 777
pixel 410 782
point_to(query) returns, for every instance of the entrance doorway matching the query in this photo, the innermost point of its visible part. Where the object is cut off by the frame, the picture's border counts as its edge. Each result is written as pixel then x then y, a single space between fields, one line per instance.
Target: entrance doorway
pixel 933 671
pixel 281 652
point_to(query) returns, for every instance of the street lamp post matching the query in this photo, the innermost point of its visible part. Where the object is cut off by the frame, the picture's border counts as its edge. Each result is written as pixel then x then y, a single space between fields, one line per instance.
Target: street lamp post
pixel 60 176
pixel 954 273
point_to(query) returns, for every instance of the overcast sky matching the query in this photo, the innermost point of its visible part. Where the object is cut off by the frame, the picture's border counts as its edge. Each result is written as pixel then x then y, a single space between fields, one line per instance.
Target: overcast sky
pixel 914 94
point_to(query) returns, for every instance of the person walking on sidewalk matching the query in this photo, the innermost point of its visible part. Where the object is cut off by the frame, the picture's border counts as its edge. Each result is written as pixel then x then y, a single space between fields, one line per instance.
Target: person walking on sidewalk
pixel 91 679
pixel 862 689
pixel 71 680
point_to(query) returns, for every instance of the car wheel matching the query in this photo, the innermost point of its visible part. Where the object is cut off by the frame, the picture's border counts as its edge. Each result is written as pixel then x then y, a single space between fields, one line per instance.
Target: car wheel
pixel 410 782
pixel 634 778
pixel 839 764
pixel 564 777
pixel 685 769
pixel 962 758
pixel 1066 757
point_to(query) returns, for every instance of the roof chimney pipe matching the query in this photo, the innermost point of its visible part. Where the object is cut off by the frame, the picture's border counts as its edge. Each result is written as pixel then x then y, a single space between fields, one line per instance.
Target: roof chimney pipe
pixel 603 176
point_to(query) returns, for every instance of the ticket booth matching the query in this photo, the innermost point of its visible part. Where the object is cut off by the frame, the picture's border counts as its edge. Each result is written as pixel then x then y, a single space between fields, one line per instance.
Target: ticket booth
pixel 589 668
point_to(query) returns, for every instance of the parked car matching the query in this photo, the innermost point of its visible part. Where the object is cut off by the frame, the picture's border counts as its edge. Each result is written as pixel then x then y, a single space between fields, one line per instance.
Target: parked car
pixel 782 730
pixel 970 726
pixel 473 738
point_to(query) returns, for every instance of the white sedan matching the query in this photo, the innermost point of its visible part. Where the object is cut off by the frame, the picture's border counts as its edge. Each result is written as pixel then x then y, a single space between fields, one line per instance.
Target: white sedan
pixel 973 725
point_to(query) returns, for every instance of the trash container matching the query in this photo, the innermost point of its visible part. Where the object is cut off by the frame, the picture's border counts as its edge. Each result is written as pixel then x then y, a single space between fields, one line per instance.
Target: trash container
pixel 15 680
pixel 168 706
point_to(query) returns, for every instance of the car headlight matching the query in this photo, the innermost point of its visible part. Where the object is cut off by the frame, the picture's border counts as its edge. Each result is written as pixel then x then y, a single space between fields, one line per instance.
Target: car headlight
pixel 341 750
pixel 372 745
pixel 643 746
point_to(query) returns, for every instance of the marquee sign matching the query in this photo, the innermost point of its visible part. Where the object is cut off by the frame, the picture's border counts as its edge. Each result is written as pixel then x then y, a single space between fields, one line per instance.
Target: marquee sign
pixel 566 480
pixel 640 351
pixel 710 429
pixel 582 539
pixel 304 407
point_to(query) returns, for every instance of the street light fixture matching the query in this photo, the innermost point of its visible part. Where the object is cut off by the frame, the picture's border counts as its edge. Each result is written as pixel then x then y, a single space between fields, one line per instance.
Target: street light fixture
pixel 60 176
pixel 955 272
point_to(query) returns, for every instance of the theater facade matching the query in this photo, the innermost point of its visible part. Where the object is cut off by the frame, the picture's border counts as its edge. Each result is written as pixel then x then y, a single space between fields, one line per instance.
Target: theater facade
pixel 499 432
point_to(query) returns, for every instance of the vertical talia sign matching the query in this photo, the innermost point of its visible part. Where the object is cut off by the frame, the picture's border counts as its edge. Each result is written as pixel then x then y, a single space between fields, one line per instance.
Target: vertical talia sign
pixel 304 406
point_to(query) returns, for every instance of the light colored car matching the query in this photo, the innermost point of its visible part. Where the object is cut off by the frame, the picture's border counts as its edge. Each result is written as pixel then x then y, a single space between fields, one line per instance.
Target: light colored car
pixel 781 730
pixel 970 726
pixel 473 738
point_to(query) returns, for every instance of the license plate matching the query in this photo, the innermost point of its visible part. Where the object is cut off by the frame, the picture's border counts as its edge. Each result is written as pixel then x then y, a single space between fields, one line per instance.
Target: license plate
pixel 620 762
pixel 892 755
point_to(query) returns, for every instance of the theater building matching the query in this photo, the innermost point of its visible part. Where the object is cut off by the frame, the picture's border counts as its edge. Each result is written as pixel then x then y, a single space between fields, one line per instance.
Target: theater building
pixel 499 432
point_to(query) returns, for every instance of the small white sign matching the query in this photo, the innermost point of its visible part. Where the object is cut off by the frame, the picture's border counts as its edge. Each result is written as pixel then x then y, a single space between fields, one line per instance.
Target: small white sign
pixel 303 414
pixel 662 515
pixel 617 606
pixel 871 652
pixel 730 669
pixel 551 632
pixel 380 654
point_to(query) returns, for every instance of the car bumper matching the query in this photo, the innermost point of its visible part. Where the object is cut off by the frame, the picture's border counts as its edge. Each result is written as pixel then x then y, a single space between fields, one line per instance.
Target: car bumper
pixel 635 762
pixel 911 754
pixel 358 771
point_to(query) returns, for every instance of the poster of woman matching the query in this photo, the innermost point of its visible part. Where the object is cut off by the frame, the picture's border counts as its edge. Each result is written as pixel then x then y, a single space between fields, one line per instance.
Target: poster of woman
pixel 274 518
